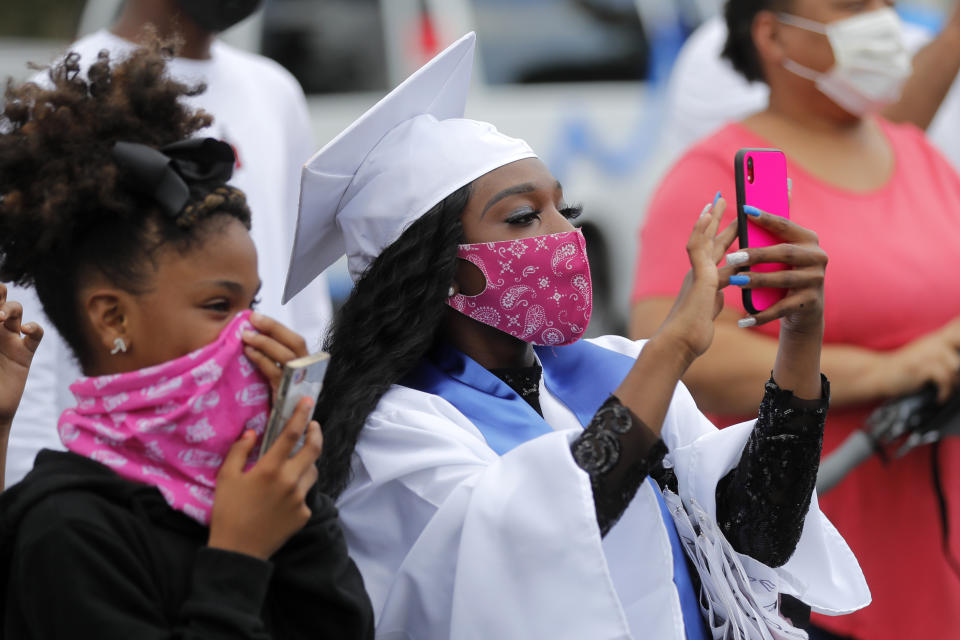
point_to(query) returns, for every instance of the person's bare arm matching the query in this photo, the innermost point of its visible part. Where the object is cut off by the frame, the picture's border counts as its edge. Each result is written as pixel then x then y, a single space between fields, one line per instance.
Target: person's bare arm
pixel 728 379
pixel 935 67
pixel 18 343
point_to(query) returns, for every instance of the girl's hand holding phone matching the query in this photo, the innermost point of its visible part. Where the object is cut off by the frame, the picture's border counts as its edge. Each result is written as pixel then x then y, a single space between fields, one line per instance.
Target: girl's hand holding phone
pixel 801 310
pixel 272 347
pixel 257 511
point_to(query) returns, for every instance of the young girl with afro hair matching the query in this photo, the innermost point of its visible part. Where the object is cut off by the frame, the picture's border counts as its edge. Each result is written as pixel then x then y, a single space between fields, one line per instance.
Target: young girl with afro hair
pixel 160 520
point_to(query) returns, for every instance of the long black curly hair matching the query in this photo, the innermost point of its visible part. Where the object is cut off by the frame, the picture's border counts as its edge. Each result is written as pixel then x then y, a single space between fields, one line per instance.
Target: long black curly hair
pixel 65 210
pixel 389 322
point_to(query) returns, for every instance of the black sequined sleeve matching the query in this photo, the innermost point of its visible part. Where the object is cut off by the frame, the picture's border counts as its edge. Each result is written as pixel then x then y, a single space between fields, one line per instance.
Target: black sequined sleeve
pixel 763 501
pixel 618 451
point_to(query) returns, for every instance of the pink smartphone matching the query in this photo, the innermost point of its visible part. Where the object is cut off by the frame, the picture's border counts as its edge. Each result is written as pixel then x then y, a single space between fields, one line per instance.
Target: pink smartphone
pixel 761 182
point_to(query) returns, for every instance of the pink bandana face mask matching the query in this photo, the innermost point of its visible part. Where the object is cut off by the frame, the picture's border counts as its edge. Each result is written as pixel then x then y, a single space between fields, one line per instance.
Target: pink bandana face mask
pixel 171 425
pixel 538 289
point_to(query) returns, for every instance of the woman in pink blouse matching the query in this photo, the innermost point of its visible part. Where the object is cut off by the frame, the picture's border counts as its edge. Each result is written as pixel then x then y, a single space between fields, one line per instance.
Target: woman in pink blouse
pixel 886 206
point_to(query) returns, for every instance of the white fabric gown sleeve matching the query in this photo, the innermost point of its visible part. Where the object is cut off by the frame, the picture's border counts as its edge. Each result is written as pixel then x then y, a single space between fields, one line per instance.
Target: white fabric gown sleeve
pixel 456 542
pixel 823 568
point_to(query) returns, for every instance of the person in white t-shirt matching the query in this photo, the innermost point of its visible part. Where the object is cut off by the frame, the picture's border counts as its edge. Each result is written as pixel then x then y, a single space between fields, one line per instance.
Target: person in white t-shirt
pixel 705 92
pixel 261 111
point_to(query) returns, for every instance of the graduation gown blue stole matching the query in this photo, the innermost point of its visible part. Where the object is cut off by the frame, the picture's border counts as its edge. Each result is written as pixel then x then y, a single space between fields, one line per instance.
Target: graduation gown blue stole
pixel 582 376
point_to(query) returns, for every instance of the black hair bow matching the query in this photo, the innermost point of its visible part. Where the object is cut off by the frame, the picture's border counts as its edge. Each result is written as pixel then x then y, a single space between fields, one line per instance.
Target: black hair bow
pixel 166 174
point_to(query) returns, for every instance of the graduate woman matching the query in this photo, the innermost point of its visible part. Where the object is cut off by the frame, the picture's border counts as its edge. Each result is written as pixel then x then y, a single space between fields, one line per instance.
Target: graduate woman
pixel 497 476
pixel 160 521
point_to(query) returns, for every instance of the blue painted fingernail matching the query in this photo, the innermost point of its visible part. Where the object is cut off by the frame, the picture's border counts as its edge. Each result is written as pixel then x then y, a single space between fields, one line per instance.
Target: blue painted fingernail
pixel 739 279
pixel 716 198
pixel 751 210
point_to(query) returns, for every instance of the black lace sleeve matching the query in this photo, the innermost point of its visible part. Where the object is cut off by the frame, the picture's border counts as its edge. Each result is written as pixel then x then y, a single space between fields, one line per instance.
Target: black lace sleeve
pixel 763 501
pixel 618 451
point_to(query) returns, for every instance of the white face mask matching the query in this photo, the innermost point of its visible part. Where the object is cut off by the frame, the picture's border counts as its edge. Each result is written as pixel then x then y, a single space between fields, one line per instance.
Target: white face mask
pixel 872 61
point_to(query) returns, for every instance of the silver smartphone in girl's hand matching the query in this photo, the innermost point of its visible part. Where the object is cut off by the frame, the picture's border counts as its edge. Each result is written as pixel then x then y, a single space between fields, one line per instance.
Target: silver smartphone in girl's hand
pixel 302 378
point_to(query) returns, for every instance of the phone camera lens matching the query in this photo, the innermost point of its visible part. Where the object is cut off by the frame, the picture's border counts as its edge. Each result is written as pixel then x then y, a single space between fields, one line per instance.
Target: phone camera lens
pixel 750 169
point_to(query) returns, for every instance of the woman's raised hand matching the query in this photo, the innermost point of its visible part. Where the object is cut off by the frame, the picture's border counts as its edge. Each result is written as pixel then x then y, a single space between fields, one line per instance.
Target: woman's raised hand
pixel 690 323
pixel 18 343
pixel 256 511
pixel 801 310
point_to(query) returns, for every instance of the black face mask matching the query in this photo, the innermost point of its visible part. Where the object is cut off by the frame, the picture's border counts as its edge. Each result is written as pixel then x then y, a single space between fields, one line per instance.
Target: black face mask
pixel 218 15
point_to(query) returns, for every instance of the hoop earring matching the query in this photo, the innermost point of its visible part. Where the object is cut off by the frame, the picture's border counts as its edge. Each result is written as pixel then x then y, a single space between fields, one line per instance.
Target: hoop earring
pixel 119 346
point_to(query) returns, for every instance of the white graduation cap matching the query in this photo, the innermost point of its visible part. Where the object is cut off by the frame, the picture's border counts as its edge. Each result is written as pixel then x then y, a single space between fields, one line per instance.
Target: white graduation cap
pixel 407 153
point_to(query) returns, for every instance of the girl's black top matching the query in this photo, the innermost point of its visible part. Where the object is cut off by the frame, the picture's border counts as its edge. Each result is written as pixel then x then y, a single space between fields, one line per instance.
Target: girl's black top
pixel 85 553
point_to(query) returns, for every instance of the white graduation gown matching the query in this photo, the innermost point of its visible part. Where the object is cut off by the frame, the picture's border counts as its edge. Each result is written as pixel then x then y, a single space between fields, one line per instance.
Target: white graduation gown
pixel 454 541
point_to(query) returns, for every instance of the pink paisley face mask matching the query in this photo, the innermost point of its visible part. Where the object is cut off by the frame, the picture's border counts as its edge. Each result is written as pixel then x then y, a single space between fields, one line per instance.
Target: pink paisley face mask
pixel 171 425
pixel 538 289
